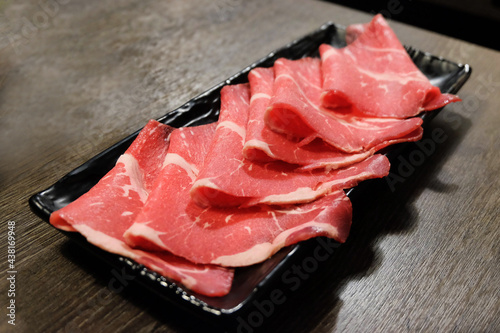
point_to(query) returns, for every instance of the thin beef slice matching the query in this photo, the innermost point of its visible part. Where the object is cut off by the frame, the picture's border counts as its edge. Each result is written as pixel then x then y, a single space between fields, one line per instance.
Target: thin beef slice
pixel 172 221
pixel 295 111
pixel 264 145
pixel 228 179
pixel 108 209
pixel 375 76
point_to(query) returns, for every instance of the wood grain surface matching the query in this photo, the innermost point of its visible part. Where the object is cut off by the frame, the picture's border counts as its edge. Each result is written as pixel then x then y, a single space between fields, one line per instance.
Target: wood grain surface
pixel 77 76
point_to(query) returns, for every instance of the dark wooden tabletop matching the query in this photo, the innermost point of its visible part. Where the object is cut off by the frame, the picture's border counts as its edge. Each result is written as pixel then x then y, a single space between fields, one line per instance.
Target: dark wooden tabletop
pixel 78 76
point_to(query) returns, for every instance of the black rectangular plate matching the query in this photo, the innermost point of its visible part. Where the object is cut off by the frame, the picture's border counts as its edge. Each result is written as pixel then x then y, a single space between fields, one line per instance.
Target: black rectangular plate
pixel 249 282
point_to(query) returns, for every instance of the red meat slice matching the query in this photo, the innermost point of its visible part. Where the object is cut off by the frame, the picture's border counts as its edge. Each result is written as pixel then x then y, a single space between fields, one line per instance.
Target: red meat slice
pixel 231 236
pixel 104 213
pixel 376 76
pixel 228 179
pixel 264 145
pixel 295 111
pixel 353 31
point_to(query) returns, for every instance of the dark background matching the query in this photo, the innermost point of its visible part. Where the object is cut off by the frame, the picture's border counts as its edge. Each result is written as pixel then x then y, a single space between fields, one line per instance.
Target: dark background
pixel 475 21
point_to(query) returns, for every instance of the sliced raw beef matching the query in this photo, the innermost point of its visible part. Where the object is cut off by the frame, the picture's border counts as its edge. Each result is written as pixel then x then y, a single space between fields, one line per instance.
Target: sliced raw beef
pixel 130 179
pixel 376 76
pixel 353 31
pixel 105 212
pixel 171 221
pixel 228 179
pixel 295 111
pixel 264 145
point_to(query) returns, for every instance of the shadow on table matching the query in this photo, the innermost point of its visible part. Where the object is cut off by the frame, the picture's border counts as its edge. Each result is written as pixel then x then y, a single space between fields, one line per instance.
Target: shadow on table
pixel 380 207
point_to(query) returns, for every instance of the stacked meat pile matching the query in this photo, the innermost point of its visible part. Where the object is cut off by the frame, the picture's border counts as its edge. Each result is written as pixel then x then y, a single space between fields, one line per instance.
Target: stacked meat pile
pixel 193 203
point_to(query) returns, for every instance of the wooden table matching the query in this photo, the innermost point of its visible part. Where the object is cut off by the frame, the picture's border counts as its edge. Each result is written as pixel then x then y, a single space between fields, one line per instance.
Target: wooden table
pixel 77 76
